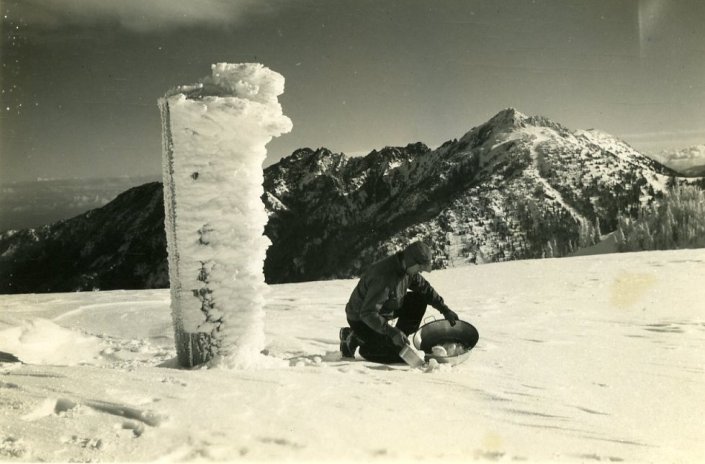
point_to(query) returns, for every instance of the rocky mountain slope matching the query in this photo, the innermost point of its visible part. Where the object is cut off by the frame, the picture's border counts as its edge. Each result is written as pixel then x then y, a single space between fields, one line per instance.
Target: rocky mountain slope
pixel 515 187
pixel 119 246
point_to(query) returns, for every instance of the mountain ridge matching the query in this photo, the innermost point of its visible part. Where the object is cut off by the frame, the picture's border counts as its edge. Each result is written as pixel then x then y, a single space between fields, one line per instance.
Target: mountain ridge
pixel 118 246
pixel 513 152
pixel 514 187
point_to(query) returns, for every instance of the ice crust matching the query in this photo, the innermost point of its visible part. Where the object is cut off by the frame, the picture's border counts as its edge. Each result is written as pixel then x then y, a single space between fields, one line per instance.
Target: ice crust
pixel 214 138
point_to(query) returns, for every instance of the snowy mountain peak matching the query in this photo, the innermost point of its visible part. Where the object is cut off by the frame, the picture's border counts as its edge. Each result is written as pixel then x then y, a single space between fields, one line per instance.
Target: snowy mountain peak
pixel 514 187
pixel 392 154
pixel 510 117
pixel 307 153
pixel 307 160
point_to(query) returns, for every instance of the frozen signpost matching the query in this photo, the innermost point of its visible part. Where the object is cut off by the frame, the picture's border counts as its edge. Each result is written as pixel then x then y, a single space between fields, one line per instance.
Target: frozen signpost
pixel 213 137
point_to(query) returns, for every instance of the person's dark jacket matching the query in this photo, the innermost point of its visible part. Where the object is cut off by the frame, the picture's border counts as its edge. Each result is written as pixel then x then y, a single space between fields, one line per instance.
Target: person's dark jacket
pixel 381 290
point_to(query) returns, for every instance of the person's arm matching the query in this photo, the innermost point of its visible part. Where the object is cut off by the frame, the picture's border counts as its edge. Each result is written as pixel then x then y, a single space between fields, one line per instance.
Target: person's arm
pixel 375 297
pixel 421 285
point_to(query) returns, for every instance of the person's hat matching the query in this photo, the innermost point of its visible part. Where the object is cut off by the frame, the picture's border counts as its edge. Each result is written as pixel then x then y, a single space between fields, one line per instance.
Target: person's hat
pixel 418 253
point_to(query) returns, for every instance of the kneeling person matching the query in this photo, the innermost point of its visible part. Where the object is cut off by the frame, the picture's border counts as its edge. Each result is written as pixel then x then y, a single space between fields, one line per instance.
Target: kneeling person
pixel 391 288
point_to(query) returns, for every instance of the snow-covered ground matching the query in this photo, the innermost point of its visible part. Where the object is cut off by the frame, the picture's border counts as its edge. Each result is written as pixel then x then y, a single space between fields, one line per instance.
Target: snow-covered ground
pixel 596 358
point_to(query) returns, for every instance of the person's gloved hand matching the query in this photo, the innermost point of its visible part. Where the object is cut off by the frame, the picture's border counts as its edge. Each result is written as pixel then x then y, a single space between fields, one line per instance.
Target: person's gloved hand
pixel 450 316
pixel 398 337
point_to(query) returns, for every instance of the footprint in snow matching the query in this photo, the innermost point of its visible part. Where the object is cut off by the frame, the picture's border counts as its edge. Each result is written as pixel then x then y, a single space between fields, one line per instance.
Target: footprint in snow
pixel 146 416
pixel 11 447
pixel 87 443
pixel 64 406
pixel 136 427
pixel 597 457
pixel 174 381
pixel 281 442
pixel 315 360
pixel 9 385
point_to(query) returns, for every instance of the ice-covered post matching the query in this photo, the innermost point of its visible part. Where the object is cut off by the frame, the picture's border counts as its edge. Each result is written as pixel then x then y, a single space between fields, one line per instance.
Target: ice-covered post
pixel 213 138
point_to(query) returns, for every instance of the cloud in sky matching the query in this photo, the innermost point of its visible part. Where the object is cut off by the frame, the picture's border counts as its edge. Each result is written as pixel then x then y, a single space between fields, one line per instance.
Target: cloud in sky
pixel 135 15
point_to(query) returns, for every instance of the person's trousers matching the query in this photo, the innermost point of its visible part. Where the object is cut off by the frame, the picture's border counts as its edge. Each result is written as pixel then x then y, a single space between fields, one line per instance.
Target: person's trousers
pixel 376 347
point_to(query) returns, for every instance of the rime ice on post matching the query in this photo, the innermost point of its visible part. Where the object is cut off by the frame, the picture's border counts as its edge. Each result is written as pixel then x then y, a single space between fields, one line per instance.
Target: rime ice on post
pixel 213 138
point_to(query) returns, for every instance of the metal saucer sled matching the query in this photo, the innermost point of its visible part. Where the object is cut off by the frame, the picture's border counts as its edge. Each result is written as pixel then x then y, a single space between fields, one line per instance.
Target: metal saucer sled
pixel 450 344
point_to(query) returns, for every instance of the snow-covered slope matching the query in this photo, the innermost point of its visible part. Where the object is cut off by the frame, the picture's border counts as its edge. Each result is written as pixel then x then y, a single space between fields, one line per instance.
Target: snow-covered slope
pixel 595 358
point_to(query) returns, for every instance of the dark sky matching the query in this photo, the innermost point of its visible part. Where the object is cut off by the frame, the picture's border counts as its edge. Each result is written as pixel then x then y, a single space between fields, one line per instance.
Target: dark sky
pixel 80 78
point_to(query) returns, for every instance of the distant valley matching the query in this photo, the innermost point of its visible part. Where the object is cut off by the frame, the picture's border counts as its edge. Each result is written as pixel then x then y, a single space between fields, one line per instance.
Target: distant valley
pixel 33 204
pixel 689 161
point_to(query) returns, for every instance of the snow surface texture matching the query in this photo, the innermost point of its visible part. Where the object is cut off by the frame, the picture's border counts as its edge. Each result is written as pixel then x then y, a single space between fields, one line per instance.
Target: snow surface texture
pixel 214 137
pixel 590 359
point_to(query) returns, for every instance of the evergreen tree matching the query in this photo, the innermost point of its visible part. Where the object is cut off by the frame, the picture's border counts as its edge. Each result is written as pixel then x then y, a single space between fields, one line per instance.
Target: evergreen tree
pixel 675 221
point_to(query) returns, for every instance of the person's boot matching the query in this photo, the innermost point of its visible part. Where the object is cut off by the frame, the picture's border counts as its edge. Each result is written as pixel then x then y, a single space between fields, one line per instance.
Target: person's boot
pixel 348 342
